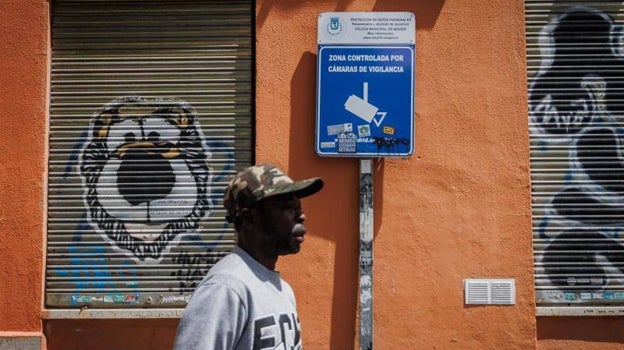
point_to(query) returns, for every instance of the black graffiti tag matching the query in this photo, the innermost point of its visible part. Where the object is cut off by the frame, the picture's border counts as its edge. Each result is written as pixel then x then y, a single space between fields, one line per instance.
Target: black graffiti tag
pixel 577 258
pixel 192 268
pixel 389 143
pixel 578 83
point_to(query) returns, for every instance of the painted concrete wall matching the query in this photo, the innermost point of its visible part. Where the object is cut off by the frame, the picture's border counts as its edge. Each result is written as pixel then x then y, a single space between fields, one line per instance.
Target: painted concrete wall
pixel 23 98
pixel 459 208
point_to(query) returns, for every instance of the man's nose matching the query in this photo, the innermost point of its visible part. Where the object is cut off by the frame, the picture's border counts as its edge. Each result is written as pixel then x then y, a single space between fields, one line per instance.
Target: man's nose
pixel 301 217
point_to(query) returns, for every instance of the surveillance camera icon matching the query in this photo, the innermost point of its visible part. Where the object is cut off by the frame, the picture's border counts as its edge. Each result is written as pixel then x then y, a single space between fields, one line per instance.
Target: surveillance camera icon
pixel 362 109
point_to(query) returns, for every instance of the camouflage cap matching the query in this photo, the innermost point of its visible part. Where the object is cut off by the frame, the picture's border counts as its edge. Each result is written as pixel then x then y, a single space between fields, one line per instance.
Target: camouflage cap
pixel 257 182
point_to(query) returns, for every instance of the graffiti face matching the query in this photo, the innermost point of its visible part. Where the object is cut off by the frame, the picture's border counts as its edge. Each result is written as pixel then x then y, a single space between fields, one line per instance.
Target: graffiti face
pixel 576 103
pixel 570 91
pixel 145 172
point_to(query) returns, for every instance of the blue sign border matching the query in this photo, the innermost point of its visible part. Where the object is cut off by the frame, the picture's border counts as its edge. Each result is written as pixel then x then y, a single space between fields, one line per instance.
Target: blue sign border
pixel 346 145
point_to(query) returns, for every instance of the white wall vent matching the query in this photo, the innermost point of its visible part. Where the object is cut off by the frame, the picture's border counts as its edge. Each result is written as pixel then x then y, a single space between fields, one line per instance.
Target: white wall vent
pixel 490 291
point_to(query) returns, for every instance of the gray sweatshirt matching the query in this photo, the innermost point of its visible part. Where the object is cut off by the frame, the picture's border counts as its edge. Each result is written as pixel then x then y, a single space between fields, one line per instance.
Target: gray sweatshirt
pixel 240 305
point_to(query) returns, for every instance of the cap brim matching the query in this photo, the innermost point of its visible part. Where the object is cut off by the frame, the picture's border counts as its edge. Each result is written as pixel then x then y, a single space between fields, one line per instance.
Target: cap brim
pixel 300 189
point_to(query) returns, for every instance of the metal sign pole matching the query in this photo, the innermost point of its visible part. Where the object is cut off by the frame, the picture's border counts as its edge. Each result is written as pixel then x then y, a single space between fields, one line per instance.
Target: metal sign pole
pixel 366 254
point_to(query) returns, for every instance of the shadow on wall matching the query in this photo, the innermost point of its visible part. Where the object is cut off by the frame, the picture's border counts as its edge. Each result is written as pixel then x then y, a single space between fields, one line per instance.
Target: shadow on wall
pixel 121 334
pixel 426 12
pixel 341 186
pixel 291 5
pixel 592 329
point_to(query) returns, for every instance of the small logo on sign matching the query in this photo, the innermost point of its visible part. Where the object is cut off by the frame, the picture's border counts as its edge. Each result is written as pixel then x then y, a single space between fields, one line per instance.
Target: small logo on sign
pixel 334 27
pixel 388 130
pixel 364 130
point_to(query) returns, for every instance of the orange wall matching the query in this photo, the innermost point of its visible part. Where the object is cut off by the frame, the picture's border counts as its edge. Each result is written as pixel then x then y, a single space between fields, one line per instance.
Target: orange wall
pixel 23 100
pixel 459 208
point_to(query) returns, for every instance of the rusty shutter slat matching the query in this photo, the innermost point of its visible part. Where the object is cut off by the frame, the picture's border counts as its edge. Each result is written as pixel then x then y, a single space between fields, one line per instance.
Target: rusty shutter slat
pixel 150 114
pixel 575 57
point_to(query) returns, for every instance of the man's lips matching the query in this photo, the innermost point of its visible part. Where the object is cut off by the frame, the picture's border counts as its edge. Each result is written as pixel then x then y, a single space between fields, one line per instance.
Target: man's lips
pixel 298 231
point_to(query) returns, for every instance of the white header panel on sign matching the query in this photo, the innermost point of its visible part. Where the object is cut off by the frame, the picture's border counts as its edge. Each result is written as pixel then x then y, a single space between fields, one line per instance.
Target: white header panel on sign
pixel 358 28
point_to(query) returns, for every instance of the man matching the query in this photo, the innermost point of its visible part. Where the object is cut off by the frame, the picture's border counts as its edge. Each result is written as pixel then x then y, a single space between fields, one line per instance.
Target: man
pixel 242 303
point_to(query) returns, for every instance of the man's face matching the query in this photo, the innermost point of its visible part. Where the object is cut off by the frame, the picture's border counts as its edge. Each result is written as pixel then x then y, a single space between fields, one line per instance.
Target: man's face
pixel 280 220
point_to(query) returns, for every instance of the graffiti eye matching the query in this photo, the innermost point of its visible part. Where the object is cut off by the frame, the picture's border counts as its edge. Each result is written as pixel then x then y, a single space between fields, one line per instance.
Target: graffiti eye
pixel 129 137
pixel 153 136
pixel 158 130
pixel 124 132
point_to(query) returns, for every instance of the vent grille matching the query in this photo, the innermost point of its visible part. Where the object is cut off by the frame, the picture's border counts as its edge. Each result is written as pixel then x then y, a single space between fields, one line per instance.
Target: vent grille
pixel 490 291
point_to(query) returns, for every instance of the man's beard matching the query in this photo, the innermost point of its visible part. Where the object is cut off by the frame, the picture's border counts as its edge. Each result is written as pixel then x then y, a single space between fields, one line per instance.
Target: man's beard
pixel 281 246
pixel 287 246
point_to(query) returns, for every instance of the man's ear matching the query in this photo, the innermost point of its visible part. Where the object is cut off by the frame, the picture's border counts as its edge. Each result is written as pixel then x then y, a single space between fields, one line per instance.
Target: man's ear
pixel 246 217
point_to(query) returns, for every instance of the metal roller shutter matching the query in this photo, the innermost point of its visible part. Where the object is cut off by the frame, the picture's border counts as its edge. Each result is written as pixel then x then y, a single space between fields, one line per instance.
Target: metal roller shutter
pixel 575 55
pixel 150 115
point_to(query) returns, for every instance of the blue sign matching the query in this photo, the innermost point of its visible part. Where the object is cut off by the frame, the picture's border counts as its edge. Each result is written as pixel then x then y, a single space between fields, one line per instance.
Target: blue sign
pixel 365 101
